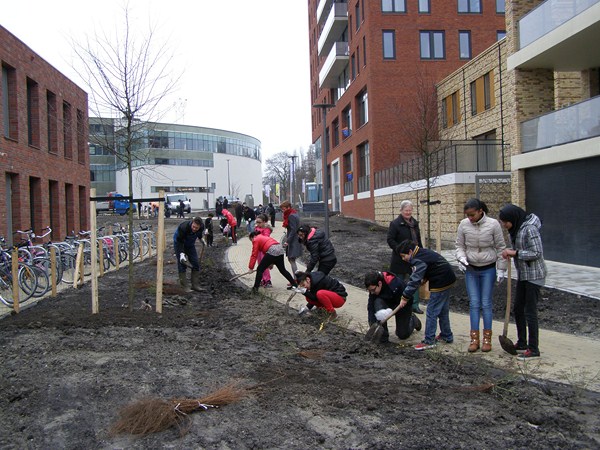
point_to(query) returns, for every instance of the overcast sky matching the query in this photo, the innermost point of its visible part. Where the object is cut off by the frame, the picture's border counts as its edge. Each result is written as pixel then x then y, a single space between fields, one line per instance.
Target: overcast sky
pixel 245 63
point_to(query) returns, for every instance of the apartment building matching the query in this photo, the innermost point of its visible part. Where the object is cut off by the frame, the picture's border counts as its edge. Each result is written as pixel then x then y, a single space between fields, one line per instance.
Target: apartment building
pixel 368 59
pixel 44 162
pixel 555 162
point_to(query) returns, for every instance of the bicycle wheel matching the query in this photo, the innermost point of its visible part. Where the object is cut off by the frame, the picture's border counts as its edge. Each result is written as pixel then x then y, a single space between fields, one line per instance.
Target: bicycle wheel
pixel 42 282
pixel 67 262
pixel 44 264
pixel 28 280
pixel 6 292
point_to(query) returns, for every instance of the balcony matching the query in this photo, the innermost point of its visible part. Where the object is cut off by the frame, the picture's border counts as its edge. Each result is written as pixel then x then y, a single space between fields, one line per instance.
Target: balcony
pixel 334 64
pixel 336 23
pixel 557 35
pixel 323 7
pixel 574 123
pixel 452 157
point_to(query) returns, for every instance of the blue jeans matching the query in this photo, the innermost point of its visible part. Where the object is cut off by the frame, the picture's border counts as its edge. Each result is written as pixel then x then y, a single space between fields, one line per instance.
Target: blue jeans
pixel 438 308
pixel 250 226
pixel 480 286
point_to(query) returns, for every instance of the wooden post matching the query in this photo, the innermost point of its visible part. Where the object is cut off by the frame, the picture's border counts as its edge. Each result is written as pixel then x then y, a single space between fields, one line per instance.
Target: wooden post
pixel 101 257
pixel 78 266
pixel 116 249
pixel 142 235
pixel 15 279
pixel 160 252
pixel 94 253
pixel 150 244
pixel 53 270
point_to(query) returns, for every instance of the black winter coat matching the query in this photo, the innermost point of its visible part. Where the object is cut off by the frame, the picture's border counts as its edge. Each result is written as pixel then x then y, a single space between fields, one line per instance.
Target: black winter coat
pixel 319 281
pixel 398 232
pixel 430 266
pixel 320 248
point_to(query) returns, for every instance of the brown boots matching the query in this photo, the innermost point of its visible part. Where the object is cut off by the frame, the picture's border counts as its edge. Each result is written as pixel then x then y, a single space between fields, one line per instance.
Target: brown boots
pixel 474 345
pixel 487 341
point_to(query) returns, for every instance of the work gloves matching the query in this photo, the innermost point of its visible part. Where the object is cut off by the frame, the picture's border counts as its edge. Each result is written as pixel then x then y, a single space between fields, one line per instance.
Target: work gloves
pixel 383 314
pixel 501 275
pixel 304 310
pixel 182 258
pixel 300 290
pixel 462 264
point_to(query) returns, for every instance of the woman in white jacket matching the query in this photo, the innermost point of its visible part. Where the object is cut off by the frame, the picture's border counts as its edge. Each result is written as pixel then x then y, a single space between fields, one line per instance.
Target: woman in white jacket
pixel 479 246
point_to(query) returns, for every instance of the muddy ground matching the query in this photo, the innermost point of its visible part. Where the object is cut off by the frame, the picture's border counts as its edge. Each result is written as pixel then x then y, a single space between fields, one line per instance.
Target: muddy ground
pixel 66 373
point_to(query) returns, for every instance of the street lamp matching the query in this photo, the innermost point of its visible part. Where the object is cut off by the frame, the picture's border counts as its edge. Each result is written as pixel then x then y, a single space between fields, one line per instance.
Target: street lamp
pixel 292 177
pixel 228 180
pixel 324 107
pixel 207 191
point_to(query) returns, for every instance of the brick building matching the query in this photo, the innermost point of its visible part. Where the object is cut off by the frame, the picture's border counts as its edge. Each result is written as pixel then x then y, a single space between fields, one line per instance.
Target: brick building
pixel 44 161
pixel 368 58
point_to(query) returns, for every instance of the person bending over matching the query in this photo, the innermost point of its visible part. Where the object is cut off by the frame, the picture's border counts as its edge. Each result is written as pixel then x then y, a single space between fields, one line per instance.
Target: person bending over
pixel 322 253
pixel 321 291
pixel 273 255
pixel 184 242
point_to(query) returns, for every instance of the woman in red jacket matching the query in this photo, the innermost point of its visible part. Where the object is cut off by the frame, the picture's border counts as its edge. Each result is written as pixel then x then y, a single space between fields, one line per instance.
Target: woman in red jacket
pixel 232 224
pixel 273 252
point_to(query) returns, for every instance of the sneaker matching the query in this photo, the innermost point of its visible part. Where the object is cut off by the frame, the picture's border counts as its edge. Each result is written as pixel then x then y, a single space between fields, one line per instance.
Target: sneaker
pixel 268 284
pixel 521 348
pixel 424 346
pixel 528 355
pixel 289 287
pixel 418 324
pixel 439 338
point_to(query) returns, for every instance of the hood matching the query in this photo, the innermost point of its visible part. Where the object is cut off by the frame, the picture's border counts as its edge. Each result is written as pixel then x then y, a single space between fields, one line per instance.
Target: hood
pixel 532 221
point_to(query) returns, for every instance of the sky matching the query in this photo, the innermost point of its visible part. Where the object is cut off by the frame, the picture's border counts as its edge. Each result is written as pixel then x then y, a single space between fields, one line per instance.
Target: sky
pixel 244 64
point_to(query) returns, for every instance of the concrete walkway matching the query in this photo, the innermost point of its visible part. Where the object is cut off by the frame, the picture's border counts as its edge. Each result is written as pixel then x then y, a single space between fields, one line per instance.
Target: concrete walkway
pixel 565 358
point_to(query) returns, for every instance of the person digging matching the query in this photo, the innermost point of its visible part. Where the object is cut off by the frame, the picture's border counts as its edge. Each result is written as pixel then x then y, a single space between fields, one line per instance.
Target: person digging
pixel 184 242
pixel 321 291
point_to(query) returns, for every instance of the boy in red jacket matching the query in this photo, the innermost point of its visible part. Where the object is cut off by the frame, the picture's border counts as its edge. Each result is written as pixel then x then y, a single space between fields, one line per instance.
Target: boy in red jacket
pixel 232 224
pixel 273 252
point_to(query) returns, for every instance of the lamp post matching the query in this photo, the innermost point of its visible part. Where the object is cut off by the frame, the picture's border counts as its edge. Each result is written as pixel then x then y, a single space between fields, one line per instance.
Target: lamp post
pixel 228 180
pixel 292 177
pixel 324 107
pixel 207 191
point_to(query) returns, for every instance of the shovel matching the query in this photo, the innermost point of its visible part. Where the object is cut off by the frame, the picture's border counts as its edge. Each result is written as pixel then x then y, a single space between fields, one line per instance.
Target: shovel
pixel 287 304
pixel 242 275
pixel 376 330
pixel 505 342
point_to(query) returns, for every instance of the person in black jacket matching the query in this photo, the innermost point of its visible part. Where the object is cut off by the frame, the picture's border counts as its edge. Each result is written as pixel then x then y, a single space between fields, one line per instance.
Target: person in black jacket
pixel 385 292
pixel 320 248
pixel 239 212
pixel 403 227
pixel 184 242
pixel 250 217
pixel 321 291
pixel 208 230
pixel 270 210
pixel 431 266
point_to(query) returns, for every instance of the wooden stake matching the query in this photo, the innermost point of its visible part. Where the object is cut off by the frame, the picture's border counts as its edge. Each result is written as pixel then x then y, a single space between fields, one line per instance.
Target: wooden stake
pixel 53 270
pixel 160 251
pixel 116 250
pixel 78 266
pixel 101 257
pixel 15 279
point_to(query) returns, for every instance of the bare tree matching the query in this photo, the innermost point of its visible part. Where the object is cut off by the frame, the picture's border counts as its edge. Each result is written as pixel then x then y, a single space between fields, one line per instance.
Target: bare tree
pixel 278 170
pixel 129 75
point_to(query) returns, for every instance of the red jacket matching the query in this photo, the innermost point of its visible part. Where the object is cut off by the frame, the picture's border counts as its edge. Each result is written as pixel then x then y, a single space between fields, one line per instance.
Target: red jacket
pixel 260 243
pixel 230 219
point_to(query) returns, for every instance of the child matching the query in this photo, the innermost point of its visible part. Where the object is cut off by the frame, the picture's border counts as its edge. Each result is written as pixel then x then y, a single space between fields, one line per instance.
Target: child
pixel 429 265
pixel 321 291
pixel 208 230
pixel 273 255
pixel 263 227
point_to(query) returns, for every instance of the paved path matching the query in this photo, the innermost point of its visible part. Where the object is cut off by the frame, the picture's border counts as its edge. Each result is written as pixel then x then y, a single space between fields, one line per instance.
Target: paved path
pixel 565 358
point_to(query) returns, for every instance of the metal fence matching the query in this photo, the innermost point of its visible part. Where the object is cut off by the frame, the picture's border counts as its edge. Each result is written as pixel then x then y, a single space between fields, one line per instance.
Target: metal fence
pixel 446 157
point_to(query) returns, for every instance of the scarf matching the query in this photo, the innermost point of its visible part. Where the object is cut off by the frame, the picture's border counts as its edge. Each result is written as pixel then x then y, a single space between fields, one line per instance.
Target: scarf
pixel 413 229
pixel 516 216
pixel 286 215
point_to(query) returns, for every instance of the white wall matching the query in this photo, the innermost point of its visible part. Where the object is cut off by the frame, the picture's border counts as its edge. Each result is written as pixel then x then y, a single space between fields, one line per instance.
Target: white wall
pixel 245 174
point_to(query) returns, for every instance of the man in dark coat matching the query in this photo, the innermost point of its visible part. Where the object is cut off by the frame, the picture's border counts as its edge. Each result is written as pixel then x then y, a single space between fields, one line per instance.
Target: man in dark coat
pixel 320 248
pixel 239 212
pixel 184 242
pixel 403 227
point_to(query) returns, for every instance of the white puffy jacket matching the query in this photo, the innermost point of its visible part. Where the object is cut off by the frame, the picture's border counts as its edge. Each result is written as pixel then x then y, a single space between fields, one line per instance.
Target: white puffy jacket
pixel 481 242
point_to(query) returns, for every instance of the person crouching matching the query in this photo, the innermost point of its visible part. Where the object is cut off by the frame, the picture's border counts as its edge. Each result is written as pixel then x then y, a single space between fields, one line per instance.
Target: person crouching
pixel 273 255
pixel 321 291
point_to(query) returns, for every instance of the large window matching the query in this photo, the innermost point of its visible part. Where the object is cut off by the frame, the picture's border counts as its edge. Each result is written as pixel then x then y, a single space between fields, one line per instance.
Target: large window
pixel 432 45
pixel 451 110
pixel 364 167
pixel 500 34
pixel 424 6
pixel 9 102
pixel 393 6
pixel 33 113
pixel 52 122
pixel 482 93
pixel 464 44
pixel 364 51
pixel 357 15
pixel 469 6
pixel 389 44
pixel 346 122
pixel 67 131
pixel 363 108
pixel 500 7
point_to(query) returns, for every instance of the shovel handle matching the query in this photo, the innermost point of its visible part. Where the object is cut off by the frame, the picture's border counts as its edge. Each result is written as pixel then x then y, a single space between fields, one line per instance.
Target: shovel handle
pixel 242 275
pixel 392 314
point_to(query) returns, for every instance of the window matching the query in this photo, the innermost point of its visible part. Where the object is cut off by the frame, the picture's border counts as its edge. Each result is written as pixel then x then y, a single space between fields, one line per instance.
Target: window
pixel 67 131
pixel 500 34
pixel 52 122
pixel 389 44
pixel 432 45
pixel 500 7
pixel 81 141
pixel 357 15
pixel 464 44
pixel 482 93
pixel 424 6
pixel 33 113
pixel 9 102
pixel 348 183
pixel 343 82
pixel 346 122
pixel 336 132
pixel 353 66
pixel 470 6
pixel 363 108
pixel 364 167
pixel 393 6
pixel 451 110
pixel 364 51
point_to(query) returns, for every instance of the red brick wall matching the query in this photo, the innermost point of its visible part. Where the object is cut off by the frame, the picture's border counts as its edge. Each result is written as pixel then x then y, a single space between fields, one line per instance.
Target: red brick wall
pixel 22 162
pixel 391 85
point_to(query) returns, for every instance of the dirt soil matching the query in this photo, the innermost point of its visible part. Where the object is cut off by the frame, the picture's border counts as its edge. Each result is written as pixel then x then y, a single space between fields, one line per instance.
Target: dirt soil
pixel 66 373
